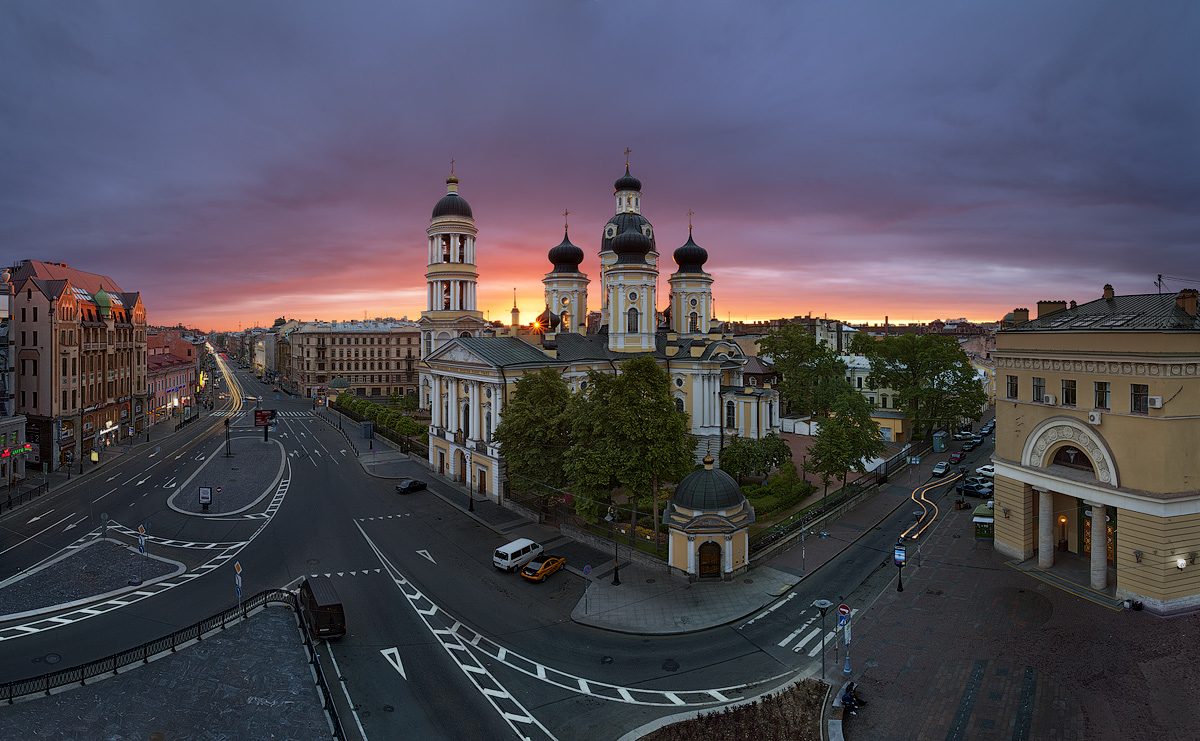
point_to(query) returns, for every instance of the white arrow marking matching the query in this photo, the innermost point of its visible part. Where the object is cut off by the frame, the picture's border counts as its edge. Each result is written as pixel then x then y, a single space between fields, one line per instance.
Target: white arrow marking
pixel 142 481
pixel 37 518
pixel 110 478
pixel 426 555
pixel 393 657
pixel 342 451
pixel 73 524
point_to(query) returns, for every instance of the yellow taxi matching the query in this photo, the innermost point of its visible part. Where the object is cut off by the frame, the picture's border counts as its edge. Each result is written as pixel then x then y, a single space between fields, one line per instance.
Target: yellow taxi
pixel 539 568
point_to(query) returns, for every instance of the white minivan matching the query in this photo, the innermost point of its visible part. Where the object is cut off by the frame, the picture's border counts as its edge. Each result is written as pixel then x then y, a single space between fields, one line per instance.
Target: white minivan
pixel 516 554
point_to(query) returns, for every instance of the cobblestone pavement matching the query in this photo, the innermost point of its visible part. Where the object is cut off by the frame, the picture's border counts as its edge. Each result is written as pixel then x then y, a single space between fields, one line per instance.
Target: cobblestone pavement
pixel 251 681
pixel 99 567
pixel 973 649
pixel 244 478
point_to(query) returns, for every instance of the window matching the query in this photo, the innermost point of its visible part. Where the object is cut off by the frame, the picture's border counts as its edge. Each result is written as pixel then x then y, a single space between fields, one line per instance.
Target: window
pixel 632 322
pixel 1102 393
pixel 693 322
pixel 1039 389
pixel 64 372
pixel 1012 387
pixel 678 405
pixel 35 313
pixel 24 318
pixel 1068 393
pixel 859 380
pixel 730 415
pixel 883 401
pixel 1139 398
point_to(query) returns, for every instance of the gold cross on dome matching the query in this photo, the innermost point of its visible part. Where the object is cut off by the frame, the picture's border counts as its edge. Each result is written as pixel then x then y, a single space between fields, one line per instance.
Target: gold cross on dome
pixel 566 213
pixel 691 213
pixel 451 167
pixel 627 151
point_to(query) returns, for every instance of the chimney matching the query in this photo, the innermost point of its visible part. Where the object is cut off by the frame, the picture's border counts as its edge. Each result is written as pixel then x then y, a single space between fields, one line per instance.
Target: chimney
pixel 1020 316
pixel 1186 300
pixel 1108 291
pixel 1046 308
pixel 1072 304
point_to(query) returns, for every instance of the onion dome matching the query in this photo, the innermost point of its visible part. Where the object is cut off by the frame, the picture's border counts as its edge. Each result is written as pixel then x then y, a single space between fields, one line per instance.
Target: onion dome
pixel 548 321
pixel 452 204
pixel 627 182
pixel 690 257
pixel 566 257
pixel 634 233
pixel 708 488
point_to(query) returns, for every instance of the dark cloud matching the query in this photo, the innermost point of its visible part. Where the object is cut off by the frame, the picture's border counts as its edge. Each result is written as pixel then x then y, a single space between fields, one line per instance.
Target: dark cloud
pixel 861 160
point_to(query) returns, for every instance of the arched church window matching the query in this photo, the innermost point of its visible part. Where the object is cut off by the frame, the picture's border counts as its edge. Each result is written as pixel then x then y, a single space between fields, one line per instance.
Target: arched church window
pixel 693 322
pixel 565 317
pixel 487 427
pixel 632 322
pixel 464 334
pixel 679 405
pixel 730 415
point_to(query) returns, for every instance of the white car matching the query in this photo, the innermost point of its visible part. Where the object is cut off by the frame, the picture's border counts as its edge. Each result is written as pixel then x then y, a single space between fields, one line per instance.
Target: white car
pixel 941 468
pixel 987 471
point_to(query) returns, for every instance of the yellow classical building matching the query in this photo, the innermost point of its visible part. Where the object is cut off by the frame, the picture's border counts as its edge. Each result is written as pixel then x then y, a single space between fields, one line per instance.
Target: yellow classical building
pixel 1098 427
pixel 709 521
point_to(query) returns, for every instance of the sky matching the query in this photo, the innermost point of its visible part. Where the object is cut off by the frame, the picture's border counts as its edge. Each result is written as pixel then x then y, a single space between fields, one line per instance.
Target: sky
pixel 238 161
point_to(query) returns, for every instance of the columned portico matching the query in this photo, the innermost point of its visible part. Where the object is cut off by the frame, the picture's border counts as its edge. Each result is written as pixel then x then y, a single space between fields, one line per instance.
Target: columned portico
pixel 1099 547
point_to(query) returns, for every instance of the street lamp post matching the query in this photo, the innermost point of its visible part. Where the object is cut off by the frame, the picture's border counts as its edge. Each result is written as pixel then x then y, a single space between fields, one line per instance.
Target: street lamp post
pixel 823 605
pixel 612 524
pixel 900 566
pixel 917 533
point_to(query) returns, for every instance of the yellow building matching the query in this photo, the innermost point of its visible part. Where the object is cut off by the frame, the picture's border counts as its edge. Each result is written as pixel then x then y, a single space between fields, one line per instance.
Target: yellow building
pixel 470 368
pixel 1098 411
pixel 709 521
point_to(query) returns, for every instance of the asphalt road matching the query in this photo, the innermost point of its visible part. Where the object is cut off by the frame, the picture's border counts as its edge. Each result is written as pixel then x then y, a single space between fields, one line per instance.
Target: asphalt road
pixel 440 644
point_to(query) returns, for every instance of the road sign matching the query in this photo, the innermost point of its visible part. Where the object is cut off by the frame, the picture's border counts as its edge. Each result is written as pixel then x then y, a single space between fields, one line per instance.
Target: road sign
pixel 914 460
pixel 842 620
pixel 205 495
pixel 843 609
pixel 142 529
pixel 237 580
pixel 847 632
pixel 218 490
pixel 237 567
pixel 142 544
pixel 587 570
pixel 900 555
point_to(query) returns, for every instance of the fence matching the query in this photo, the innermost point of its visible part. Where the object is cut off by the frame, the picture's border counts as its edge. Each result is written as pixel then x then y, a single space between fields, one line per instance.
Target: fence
pixel 110 665
pixel 28 495
pixel 407 444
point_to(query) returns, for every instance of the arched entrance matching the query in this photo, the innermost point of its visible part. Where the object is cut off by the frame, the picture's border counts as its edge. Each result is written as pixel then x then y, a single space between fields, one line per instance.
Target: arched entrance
pixel 460 470
pixel 710 560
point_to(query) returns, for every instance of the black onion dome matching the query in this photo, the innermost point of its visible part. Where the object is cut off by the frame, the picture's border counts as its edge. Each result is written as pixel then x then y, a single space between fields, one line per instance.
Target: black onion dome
pixel 548 320
pixel 565 257
pixel 708 488
pixel 627 222
pixel 691 257
pixel 627 182
pixel 452 204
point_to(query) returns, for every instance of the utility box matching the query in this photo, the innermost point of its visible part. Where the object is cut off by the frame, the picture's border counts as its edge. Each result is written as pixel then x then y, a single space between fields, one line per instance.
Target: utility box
pixel 368 429
pixel 939 441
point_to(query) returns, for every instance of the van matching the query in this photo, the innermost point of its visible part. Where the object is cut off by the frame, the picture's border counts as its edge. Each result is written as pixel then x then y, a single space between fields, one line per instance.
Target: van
pixel 516 554
pixel 322 608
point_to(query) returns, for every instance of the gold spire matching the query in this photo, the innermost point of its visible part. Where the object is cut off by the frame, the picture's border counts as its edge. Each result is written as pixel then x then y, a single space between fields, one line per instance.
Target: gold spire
pixel 514 299
pixel 452 180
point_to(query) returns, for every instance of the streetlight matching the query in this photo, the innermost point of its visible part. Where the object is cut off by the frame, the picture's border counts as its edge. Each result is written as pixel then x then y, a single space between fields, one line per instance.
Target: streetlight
pixel 823 605
pixel 612 524
pixel 917 533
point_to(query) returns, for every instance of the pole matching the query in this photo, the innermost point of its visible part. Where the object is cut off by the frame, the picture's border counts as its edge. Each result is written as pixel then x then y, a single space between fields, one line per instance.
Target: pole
pixel 823 605
pixel 900 572
pixel 917 534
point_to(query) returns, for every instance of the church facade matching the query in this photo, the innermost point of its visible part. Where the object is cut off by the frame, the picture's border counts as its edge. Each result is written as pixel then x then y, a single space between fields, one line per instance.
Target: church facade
pixel 468 368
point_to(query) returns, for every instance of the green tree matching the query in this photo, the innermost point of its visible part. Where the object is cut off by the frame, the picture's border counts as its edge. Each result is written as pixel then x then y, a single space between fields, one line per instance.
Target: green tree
pixel 534 432
pixel 407 402
pixel 810 374
pixel 847 440
pixel 747 457
pixel 406 425
pixel 935 382
pixel 628 433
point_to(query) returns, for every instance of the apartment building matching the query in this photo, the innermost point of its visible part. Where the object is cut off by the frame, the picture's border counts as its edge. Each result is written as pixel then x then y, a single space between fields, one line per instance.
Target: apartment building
pixel 376 358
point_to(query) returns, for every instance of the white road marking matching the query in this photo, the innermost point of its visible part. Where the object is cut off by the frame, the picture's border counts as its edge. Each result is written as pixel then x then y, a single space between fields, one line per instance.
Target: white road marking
pixel 73 524
pixel 97 499
pixel 769 610
pixel 346 692
pixel 140 482
pixel 109 479
pixel 39 532
pixel 800 646
pixel 426 555
pixel 38 518
pixel 393 657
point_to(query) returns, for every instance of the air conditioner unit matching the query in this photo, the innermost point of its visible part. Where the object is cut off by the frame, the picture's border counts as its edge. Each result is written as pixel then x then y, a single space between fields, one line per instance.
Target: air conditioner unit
pixel 1093 418
pixel 1155 402
pixel 1049 399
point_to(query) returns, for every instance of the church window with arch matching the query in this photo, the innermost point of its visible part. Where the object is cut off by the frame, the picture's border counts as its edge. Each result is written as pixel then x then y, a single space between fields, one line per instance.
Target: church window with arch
pixel 632 320
pixel 730 415
pixel 693 322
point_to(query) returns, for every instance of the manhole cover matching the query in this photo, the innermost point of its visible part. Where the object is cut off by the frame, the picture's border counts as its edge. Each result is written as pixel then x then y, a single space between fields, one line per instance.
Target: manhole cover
pixel 314 560
pixel 649 581
pixel 670 665
pixel 53 658
pixel 388 709
pixel 605 659
pixel 749 581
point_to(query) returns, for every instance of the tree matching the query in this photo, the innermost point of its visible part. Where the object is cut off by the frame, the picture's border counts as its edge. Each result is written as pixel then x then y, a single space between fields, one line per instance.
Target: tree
pixel 627 432
pixel 846 440
pixel 810 374
pixel 746 456
pixel 935 382
pixel 534 433
pixel 409 427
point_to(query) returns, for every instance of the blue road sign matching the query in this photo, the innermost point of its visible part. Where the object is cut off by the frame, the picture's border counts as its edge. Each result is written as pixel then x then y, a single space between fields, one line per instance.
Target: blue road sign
pixel 842 620
pixel 587 570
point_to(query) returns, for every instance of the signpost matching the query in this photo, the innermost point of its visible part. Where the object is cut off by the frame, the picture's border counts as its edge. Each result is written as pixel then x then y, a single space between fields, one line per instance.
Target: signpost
pixel 142 550
pixel 900 555
pixel 205 497
pixel 237 583
pixel 844 624
pixel 264 418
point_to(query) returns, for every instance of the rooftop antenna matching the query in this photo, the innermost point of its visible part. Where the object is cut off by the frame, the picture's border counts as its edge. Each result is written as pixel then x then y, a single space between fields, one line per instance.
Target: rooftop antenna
pixel 1159 283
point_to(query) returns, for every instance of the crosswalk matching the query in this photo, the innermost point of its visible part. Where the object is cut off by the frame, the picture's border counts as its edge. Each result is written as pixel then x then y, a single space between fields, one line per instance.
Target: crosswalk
pixel 811 633
pixel 278 414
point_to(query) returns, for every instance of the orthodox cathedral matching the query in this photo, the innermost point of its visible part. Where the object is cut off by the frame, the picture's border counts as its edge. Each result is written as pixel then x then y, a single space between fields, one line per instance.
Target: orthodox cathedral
pixel 469 366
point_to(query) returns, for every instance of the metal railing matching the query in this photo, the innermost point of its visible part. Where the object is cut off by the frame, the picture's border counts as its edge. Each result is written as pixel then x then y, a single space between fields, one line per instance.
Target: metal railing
pixel 110 665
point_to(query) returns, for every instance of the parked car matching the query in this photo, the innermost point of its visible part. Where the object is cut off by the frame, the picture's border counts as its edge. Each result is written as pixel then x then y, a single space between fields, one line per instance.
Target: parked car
pixel 962 436
pixel 957 456
pixel 969 445
pixel 941 468
pixel 987 471
pixel 977 481
pixel 539 568
pixel 514 555
pixel 322 608
pixel 408 486
pixel 970 490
